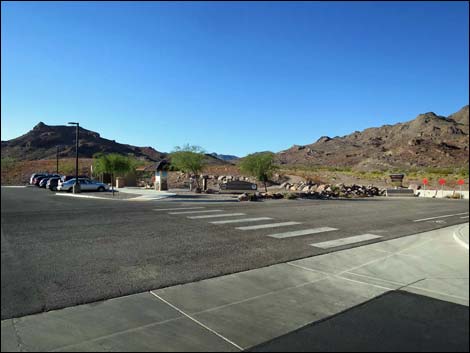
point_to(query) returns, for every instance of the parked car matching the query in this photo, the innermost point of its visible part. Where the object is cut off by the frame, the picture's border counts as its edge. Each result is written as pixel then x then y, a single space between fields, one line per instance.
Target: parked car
pixel 85 185
pixel 43 182
pixel 37 180
pixel 64 178
pixel 35 175
pixel 52 183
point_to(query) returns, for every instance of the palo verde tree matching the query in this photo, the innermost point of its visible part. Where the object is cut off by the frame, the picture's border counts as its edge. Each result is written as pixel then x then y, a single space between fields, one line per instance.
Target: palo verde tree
pixel 114 164
pixel 188 159
pixel 259 165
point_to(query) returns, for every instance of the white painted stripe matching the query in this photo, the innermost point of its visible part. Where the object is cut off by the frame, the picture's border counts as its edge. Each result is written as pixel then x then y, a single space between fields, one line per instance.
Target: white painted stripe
pixel 241 220
pixel 270 225
pixel 218 215
pixel 197 322
pixel 444 216
pixel 301 232
pixel 464 217
pixel 178 208
pixel 189 212
pixel 459 240
pixel 14 186
pixel 345 241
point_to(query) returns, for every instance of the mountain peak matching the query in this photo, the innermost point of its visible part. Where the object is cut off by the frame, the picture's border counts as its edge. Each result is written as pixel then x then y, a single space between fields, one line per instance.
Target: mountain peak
pixel 324 139
pixel 40 125
pixel 41 143
pixel 430 140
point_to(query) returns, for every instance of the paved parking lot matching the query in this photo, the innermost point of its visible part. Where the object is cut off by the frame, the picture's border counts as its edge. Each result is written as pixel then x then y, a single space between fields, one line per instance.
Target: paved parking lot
pixel 58 251
pixel 405 294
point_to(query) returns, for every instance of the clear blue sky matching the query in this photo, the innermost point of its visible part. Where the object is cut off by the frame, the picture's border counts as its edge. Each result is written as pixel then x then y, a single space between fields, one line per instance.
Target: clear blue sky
pixel 234 78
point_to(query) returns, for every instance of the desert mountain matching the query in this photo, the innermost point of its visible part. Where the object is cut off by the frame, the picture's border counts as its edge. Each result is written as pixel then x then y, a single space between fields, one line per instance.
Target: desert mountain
pixel 429 140
pixel 42 141
pixel 224 157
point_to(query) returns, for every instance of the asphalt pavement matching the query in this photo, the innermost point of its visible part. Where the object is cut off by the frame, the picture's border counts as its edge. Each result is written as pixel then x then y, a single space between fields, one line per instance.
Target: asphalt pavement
pixel 60 251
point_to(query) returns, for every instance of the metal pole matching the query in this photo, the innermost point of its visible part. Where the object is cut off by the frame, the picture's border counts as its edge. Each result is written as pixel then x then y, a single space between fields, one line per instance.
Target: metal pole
pixel 57 160
pixel 76 156
pixel 76 187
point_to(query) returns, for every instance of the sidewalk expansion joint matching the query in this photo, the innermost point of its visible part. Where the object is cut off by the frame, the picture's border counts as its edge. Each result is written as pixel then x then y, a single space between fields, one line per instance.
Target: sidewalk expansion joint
pixel 198 322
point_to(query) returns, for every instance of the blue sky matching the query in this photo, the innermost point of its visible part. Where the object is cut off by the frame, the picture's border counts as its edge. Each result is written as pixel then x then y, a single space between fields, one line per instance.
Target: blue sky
pixel 232 77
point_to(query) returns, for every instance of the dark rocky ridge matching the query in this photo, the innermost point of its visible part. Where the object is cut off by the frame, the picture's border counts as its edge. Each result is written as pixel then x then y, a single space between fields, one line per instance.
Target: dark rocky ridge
pixel 429 140
pixel 41 143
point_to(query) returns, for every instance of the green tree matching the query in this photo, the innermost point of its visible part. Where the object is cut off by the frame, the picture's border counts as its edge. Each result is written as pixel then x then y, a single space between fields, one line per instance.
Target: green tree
pixel 114 164
pixel 259 165
pixel 189 159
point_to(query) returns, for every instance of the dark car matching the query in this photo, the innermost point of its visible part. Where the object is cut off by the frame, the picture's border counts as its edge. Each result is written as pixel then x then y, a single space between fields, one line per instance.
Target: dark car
pixel 37 180
pixel 52 183
pixel 35 175
pixel 43 182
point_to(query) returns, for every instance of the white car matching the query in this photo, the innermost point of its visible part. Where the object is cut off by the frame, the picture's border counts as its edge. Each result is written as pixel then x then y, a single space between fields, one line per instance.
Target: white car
pixel 85 185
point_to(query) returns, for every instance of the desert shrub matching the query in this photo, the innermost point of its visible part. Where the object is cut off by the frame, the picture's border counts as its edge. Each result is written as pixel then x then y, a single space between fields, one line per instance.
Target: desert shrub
pixel 291 195
pixel 259 165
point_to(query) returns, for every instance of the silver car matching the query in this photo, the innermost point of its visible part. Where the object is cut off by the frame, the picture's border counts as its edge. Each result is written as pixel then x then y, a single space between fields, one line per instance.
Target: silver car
pixel 85 185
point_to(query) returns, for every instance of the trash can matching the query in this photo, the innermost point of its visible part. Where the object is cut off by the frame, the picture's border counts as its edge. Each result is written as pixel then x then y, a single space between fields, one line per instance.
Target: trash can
pixel 120 182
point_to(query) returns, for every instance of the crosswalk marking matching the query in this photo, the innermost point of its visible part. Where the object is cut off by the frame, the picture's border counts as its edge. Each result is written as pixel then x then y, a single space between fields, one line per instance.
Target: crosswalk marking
pixel 345 241
pixel 444 216
pixel 301 232
pixel 269 225
pixel 177 208
pixel 189 212
pixel 218 215
pixel 241 220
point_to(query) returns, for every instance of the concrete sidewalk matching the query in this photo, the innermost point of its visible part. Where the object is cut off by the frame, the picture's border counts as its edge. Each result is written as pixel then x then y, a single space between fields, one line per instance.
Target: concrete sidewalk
pixel 240 311
pixel 145 194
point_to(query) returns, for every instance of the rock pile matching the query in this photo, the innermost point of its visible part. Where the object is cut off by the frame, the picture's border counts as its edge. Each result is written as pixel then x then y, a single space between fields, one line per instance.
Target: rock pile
pixel 322 191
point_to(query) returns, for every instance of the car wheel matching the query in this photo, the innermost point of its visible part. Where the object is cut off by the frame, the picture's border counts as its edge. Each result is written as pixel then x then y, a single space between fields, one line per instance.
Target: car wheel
pixel 101 189
pixel 69 190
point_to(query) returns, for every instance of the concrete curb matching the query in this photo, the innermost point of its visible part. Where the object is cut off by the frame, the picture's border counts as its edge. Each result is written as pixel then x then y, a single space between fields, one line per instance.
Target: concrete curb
pixel 459 236
pixel 144 198
pixel 88 197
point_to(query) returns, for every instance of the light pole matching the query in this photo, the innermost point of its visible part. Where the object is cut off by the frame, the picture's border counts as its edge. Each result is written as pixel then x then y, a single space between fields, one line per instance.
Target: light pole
pixel 76 186
pixel 57 160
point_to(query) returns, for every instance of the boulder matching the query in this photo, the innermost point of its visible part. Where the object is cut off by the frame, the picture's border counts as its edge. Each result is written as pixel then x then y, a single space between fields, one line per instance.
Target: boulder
pixel 243 197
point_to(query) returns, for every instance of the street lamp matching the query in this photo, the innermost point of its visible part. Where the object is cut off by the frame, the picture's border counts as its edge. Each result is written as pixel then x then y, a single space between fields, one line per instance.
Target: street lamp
pixel 76 186
pixel 57 160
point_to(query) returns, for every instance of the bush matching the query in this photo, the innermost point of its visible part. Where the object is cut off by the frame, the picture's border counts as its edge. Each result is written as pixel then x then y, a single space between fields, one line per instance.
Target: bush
pixel 259 165
pixel 291 195
pixel 456 196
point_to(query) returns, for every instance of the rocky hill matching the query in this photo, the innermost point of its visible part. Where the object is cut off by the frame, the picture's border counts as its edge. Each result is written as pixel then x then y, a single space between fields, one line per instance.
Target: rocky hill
pixel 42 141
pixel 224 157
pixel 429 140
pixel 41 144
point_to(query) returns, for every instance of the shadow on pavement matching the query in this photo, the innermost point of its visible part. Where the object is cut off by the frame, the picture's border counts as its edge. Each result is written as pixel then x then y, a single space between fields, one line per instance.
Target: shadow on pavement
pixel 397 321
